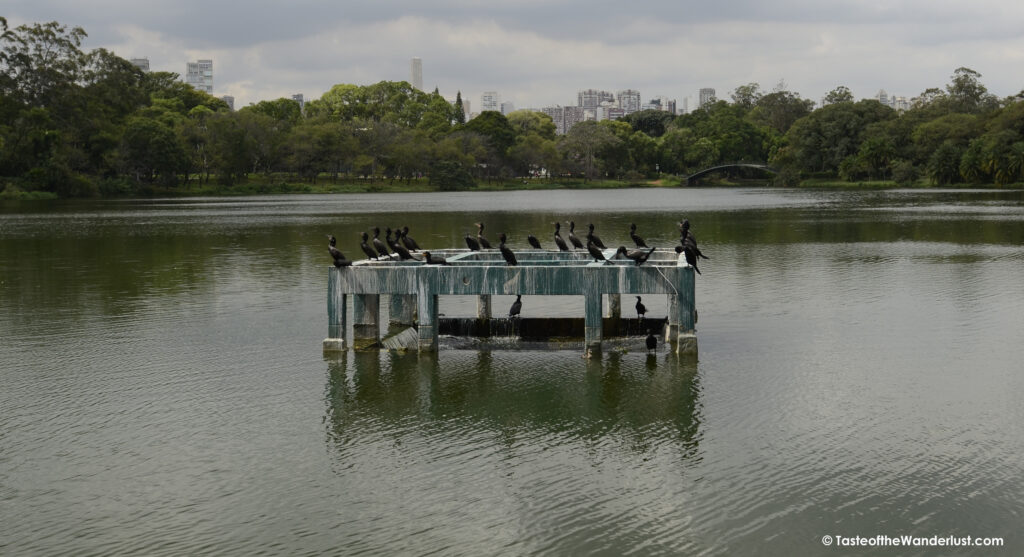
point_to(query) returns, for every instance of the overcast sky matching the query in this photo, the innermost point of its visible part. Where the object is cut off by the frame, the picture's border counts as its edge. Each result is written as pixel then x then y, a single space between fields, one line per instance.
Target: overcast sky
pixel 540 53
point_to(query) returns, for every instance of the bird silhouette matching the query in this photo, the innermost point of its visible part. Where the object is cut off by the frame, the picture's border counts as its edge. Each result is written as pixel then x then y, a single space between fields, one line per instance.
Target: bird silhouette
pixel 409 242
pixel 339 258
pixel 691 257
pixel 641 309
pixel 480 236
pixel 591 237
pixel 652 341
pixel 398 248
pixel 686 237
pixel 434 259
pixel 558 238
pixel 572 236
pixel 636 239
pixel 533 241
pixel 510 258
pixel 638 256
pixel 366 247
pixel 517 306
pixel 378 244
pixel 595 252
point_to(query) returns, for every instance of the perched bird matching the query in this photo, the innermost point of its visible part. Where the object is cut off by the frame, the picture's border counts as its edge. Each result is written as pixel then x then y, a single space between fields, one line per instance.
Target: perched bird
pixel 434 259
pixel 472 243
pixel 638 256
pixel 558 238
pixel 510 258
pixel 641 309
pixel 366 247
pixel 378 245
pixel 517 306
pixel 339 258
pixel 409 242
pixel 480 236
pixel 652 341
pixel 636 239
pixel 591 237
pixel 533 241
pixel 595 252
pixel 691 257
pixel 572 236
pixel 398 248
pixel 687 238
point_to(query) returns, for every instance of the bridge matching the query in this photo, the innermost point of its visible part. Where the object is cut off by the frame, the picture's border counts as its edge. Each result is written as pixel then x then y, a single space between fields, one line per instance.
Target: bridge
pixel 754 165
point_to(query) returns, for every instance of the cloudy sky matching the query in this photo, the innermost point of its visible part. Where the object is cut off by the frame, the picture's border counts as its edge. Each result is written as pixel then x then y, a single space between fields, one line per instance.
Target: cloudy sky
pixel 539 53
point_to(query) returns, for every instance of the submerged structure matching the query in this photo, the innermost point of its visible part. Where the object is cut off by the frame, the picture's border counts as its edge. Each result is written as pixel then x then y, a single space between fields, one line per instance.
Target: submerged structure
pixel 411 288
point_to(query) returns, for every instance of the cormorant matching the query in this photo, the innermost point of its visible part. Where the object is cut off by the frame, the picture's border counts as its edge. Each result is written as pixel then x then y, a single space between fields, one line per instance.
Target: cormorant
pixel 641 309
pixel 409 242
pixel 434 259
pixel 591 237
pixel 472 243
pixel 510 258
pixel 687 238
pixel 595 252
pixel 558 238
pixel 691 257
pixel 366 247
pixel 378 245
pixel 572 236
pixel 398 248
pixel 533 241
pixel 636 239
pixel 517 306
pixel 480 236
pixel 652 341
pixel 638 256
pixel 339 258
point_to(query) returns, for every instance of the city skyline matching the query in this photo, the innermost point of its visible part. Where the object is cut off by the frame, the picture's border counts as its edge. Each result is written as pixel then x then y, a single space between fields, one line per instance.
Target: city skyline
pixel 541 57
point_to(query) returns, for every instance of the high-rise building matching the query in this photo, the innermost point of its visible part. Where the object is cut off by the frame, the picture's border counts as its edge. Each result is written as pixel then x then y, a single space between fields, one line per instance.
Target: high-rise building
pixel 417 73
pixel 707 95
pixel 297 97
pixel 490 100
pixel 629 100
pixel 557 115
pixel 664 103
pixel 141 63
pixel 507 107
pixel 230 100
pixel 573 115
pixel 883 97
pixel 199 74
pixel 592 98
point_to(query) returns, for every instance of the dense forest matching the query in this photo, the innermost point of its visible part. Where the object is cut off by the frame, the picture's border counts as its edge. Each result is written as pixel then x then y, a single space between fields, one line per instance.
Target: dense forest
pixel 76 123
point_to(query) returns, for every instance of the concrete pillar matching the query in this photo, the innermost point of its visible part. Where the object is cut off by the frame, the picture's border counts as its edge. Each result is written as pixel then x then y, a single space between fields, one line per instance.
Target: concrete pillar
pixel 337 306
pixel 686 338
pixel 402 309
pixel 615 306
pixel 672 329
pixel 592 324
pixel 365 319
pixel 483 307
pixel 427 326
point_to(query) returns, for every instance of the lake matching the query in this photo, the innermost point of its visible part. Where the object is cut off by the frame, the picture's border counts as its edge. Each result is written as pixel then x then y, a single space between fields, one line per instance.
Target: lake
pixel 163 389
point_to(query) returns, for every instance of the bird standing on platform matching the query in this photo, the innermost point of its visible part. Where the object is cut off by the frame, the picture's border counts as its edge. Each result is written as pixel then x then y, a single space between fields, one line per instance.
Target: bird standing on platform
pixel 591 237
pixel 409 242
pixel 638 256
pixel 398 248
pixel 471 243
pixel 687 238
pixel 572 235
pixel 652 341
pixel 558 238
pixel 595 252
pixel 510 258
pixel 517 306
pixel 636 239
pixel 691 257
pixel 533 241
pixel 641 309
pixel 339 258
pixel 434 259
pixel 480 236
pixel 366 247
pixel 382 250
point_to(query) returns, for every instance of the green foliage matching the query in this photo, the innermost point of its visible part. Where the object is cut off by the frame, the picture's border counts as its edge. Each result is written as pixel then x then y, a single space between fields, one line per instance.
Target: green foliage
pixel 451 176
pixel 650 122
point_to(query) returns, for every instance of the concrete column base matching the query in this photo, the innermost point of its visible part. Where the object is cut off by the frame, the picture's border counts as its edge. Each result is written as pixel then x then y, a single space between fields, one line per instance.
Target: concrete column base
pixel 334 345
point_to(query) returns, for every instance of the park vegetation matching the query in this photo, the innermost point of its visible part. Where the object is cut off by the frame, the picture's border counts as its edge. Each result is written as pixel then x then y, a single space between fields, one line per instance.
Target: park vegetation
pixel 75 124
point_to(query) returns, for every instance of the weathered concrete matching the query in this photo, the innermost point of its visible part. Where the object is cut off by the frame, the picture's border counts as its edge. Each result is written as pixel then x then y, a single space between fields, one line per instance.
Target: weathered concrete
pixel 402 309
pixel 366 319
pixel 483 307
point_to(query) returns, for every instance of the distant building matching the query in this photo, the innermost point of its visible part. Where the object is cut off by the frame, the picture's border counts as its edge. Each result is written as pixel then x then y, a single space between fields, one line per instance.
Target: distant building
pixel 507 107
pixel 666 104
pixel 557 114
pixel 707 95
pixel 901 103
pixel 141 63
pixel 490 100
pixel 230 100
pixel 573 115
pixel 614 113
pixel 416 70
pixel 297 97
pixel 629 100
pixel 686 106
pixel 199 74
pixel 592 98
pixel 883 97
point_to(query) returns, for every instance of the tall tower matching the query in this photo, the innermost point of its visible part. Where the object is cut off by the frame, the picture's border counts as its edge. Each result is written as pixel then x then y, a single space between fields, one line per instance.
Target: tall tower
pixel 707 95
pixel 490 100
pixel 629 100
pixel 199 74
pixel 141 63
pixel 416 69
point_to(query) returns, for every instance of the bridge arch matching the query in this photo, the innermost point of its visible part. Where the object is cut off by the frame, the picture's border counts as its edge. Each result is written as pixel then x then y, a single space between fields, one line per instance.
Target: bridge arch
pixel 755 165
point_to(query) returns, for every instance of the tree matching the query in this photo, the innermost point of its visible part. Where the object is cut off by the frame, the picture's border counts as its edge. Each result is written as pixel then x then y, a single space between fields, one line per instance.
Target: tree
pixel 150 150
pixel 651 122
pixel 746 96
pixel 526 122
pixel 460 112
pixel 584 141
pixel 967 94
pixel 838 95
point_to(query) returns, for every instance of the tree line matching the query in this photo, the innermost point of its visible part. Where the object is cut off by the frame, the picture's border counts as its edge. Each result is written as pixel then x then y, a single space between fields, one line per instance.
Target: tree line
pixel 78 123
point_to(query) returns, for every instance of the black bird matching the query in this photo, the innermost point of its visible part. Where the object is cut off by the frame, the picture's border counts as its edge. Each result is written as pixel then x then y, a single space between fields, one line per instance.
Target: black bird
pixel 339 258
pixel 510 258
pixel 366 247
pixel 533 241
pixel 687 238
pixel 472 243
pixel 691 257
pixel 434 259
pixel 595 252
pixel 480 236
pixel 409 242
pixel 517 306
pixel 652 341
pixel 591 237
pixel 378 245
pixel 641 309
pixel 636 239
pixel 398 248
pixel 572 236
pixel 638 256
pixel 558 238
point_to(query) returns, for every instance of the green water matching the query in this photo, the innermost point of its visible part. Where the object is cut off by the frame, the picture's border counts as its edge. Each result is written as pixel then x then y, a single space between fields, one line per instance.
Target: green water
pixel 163 391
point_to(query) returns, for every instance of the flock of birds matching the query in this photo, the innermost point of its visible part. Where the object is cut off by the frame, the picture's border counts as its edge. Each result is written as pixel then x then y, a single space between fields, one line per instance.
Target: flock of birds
pixel 404 246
